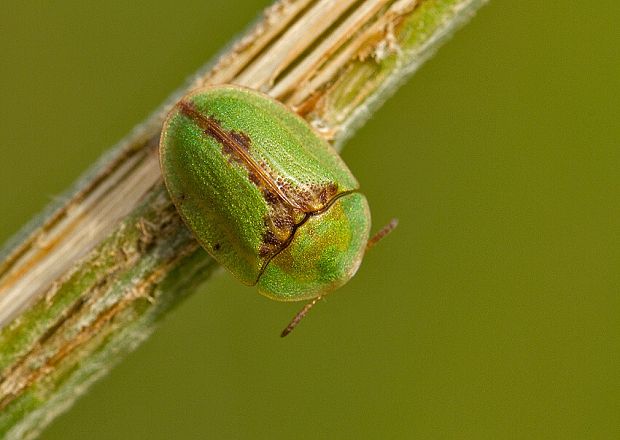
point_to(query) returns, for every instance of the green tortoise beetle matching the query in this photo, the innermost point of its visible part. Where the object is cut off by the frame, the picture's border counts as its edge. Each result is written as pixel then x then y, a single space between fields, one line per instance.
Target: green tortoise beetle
pixel 266 196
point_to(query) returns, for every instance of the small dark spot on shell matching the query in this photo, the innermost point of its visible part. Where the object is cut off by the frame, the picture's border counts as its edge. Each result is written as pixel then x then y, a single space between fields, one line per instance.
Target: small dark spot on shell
pixel 270 197
pixel 217 246
pixel 270 238
pixel 242 139
pixel 253 178
pixel 270 243
pixel 328 192
pixel 283 222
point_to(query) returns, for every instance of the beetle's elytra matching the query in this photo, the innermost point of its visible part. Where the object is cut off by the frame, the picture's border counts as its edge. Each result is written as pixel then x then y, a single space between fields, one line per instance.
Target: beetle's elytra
pixel 265 195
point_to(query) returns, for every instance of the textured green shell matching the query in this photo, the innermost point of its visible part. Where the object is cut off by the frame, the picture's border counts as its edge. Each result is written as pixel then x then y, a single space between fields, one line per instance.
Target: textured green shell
pixel 262 193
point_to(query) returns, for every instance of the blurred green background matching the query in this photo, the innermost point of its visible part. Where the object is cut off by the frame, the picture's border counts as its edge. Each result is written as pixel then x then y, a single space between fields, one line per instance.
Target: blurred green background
pixel 492 311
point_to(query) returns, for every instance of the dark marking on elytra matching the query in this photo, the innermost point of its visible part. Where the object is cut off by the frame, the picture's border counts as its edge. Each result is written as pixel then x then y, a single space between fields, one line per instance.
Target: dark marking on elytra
pixel 328 192
pixel 217 246
pixel 283 222
pixel 289 207
pixel 270 197
pixel 234 143
pixel 242 139
pixel 236 146
pixel 268 236
pixel 239 141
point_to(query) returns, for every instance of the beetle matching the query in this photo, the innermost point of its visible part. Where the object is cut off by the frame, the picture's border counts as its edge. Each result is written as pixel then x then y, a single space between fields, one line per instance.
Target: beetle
pixel 264 194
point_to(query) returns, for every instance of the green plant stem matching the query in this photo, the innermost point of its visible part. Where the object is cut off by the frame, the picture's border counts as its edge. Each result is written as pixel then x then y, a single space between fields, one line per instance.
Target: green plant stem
pixel 86 283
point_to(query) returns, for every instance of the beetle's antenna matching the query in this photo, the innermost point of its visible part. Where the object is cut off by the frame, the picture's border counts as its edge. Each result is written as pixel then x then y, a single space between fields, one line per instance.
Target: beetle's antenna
pixel 382 233
pixel 299 316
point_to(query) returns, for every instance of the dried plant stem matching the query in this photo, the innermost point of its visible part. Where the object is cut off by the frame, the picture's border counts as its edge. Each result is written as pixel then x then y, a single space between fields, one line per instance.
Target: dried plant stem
pixel 85 283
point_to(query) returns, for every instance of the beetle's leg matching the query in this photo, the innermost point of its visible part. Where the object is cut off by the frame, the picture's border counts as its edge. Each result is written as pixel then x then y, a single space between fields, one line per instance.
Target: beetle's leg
pixel 299 316
pixel 382 233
